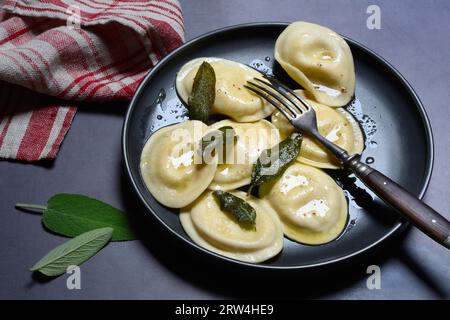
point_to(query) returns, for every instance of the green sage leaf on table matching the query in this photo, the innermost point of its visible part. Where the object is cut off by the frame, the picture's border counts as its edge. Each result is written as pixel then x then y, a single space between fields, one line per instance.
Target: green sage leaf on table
pixel 73 252
pixel 272 163
pixel 203 93
pixel 240 208
pixel 73 214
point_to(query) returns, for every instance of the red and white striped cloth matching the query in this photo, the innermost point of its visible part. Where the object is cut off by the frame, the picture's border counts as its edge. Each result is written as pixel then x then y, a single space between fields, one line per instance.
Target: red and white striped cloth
pixel 54 53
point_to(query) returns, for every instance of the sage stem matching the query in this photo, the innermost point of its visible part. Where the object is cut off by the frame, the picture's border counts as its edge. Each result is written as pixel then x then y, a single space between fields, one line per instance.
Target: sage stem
pixel 33 207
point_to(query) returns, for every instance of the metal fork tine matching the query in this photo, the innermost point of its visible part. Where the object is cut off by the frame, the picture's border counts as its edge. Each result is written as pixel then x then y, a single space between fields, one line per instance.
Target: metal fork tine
pixel 274 95
pixel 267 97
pixel 298 109
pixel 299 98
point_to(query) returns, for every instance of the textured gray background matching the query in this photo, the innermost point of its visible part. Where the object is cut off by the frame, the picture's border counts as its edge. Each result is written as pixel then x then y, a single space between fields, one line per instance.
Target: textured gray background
pixel 413 37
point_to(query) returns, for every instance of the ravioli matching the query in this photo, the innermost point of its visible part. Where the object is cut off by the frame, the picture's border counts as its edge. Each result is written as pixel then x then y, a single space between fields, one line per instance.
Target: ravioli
pixel 319 60
pixel 169 166
pixel 218 231
pixel 232 99
pixel 336 124
pixel 311 206
pixel 252 139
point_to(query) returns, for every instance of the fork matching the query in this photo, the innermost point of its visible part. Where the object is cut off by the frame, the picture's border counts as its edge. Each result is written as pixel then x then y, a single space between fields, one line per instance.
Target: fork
pixel 303 117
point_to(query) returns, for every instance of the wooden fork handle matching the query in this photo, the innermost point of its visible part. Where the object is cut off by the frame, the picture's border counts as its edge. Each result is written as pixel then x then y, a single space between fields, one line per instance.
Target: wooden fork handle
pixel 420 214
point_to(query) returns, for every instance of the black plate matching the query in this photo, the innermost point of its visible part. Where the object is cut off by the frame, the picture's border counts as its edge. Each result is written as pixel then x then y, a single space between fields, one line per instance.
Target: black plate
pixel 399 138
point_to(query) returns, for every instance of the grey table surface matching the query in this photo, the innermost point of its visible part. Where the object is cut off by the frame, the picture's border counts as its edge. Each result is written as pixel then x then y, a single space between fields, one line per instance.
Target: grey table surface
pixel 413 37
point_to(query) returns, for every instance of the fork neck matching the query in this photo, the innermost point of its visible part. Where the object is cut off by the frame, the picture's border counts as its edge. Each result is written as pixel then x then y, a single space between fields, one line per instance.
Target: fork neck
pixel 337 151
pixel 351 163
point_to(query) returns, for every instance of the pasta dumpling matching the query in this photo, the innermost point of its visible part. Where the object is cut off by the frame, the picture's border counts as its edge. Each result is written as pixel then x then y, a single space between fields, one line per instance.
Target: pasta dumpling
pixel 252 139
pixel 335 124
pixel 220 232
pixel 169 167
pixel 311 206
pixel 232 99
pixel 319 60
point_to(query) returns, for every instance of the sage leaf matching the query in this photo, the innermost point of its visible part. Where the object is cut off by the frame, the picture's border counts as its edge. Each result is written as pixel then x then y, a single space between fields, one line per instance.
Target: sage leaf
pixel 203 93
pixel 223 137
pixel 273 162
pixel 73 252
pixel 218 137
pixel 73 214
pixel 241 209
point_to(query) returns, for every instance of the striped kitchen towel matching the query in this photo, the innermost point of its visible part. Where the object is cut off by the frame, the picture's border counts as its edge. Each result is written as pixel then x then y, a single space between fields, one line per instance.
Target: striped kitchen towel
pixel 54 54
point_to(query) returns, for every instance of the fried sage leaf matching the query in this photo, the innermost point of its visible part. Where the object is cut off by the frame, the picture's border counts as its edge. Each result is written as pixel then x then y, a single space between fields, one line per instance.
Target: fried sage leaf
pixel 241 209
pixel 224 137
pixel 203 93
pixel 273 162
pixel 73 252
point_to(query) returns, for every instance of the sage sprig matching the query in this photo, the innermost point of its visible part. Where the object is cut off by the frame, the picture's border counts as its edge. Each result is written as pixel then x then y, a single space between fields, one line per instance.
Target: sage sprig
pixel 73 214
pixel 73 252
